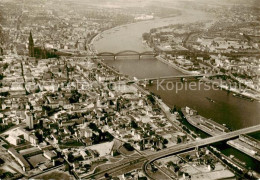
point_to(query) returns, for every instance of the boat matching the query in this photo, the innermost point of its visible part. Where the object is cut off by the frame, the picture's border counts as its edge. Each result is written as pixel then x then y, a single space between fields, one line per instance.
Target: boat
pixel 211 100
pixel 206 125
pixel 231 156
pixel 136 79
pixel 237 160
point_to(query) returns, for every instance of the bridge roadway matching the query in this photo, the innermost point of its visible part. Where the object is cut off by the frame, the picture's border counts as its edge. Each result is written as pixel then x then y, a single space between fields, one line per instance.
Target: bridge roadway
pixel 177 77
pixel 126 53
pixel 164 77
pixel 147 159
pixel 202 142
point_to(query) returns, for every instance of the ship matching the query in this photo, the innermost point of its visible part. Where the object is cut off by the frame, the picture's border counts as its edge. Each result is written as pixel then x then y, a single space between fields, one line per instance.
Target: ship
pixel 243 97
pixel 237 160
pixel 206 125
pixel 210 100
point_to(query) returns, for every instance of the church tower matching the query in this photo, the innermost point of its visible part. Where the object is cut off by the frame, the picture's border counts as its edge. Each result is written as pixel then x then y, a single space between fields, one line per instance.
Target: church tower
pixel 31 45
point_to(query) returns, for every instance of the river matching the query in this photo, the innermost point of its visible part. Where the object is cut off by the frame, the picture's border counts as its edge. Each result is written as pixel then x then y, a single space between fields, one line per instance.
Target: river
pixel 129 37
pixel 234 112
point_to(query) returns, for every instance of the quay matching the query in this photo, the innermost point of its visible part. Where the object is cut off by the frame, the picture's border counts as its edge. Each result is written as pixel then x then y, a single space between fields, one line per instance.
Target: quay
pixel 175 66
pixel 206 125
pixel 247 145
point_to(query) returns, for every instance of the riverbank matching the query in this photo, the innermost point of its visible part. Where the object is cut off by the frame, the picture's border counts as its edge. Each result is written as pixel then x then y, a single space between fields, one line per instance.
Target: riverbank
pixel 124 25
pixel 233 90
pixel 245 148
pixel 135 22
pixel 206 80
pixel 129 35
pixel 95 38
pixel 176 67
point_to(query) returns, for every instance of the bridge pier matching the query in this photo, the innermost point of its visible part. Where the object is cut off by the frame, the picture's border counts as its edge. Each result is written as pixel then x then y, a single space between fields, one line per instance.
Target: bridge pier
pixel 140 56
pixel 115 58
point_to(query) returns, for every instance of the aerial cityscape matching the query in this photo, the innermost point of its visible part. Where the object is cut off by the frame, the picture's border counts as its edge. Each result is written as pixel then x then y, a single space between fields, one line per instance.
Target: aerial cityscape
pixel 130 89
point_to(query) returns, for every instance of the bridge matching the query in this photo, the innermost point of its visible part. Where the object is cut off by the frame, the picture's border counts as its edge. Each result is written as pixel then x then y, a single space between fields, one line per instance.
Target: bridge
pixel 147 159
pixel 126 53
pixel 175 77
pixel 202 142
pixel 195 144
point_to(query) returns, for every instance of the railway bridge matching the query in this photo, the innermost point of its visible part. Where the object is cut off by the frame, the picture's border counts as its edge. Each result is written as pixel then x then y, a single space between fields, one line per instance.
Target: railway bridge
pixel 126 53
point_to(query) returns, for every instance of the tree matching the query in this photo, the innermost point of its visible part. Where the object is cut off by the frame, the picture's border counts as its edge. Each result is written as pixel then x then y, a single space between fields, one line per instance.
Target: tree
pixel 188 157
pixel 70 128
pixel 75 96
pixel 153 30
pixel 107 176
pixel 133 124
pixel 116 153
pixel 93 126
pixel 70 157
pixel 128 146
pixel 87 166
pixel 108 136
pixel 49 111
pixel 178 140
pixel 151 98
pixel 165 141
pixel 6 175
pixel 173 110
pixel 4 94
pixel 146 36
pixel 37 90
pixel 1 161
pixel 5 66
pixel 222 70
pixel 39 136
pixel 1 76
pixel 4 127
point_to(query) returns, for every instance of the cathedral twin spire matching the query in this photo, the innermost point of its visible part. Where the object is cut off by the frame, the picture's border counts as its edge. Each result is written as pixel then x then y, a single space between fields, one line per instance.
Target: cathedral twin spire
pixel 31 45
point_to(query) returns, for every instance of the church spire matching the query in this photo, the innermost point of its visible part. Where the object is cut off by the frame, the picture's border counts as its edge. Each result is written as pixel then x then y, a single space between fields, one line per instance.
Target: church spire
pixel 31 45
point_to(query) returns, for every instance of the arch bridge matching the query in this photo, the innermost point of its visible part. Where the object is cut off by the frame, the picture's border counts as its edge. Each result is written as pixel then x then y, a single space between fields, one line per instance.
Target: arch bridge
pixel 126 53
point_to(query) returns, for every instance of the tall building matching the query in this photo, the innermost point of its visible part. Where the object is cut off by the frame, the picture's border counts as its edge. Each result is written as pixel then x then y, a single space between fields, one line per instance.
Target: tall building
pixel 31 45
pixel 88 133
pixel 1 51
pixel 29 120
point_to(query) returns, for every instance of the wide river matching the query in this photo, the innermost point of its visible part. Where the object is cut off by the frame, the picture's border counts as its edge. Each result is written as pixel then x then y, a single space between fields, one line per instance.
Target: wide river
pixel 236 113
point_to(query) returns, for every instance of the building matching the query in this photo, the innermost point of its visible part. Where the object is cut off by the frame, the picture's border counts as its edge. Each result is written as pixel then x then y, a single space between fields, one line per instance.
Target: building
pixel 12 139
pixel 20 159
pixel 31 45
pixel 179 136
pixel 29 120
pixel 33 139
pixel 28 136
pixel 49 154
pixel 88 133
